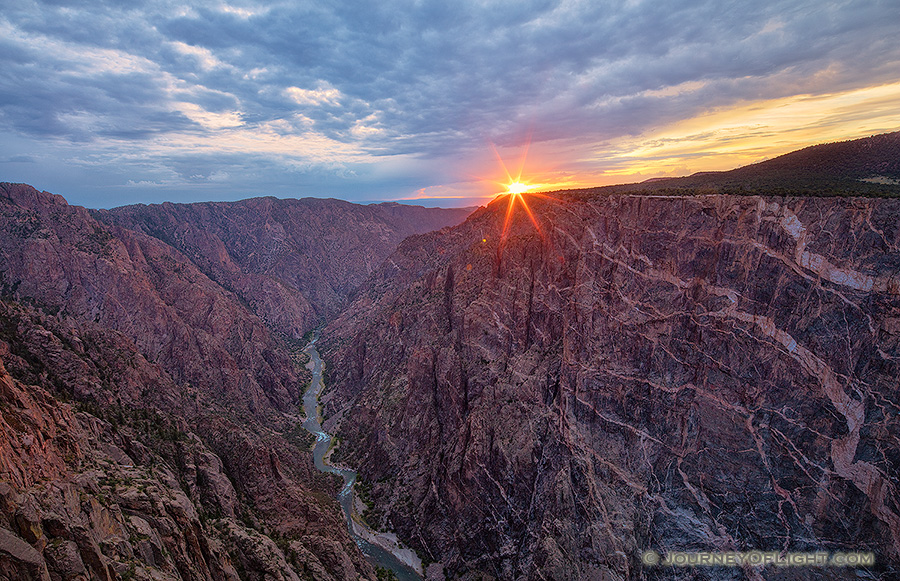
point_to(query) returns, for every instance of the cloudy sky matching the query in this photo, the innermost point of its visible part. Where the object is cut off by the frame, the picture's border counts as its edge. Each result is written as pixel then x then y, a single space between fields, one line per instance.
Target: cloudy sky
pixel 115 102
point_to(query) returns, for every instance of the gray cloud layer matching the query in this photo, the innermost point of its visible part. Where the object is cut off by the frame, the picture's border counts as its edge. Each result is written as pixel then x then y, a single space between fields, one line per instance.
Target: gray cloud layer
pixel 103 89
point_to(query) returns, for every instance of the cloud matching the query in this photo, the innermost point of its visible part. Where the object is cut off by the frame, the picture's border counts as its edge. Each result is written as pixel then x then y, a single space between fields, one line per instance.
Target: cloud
pixel 323 95
pixel 19 159
pixel 339 89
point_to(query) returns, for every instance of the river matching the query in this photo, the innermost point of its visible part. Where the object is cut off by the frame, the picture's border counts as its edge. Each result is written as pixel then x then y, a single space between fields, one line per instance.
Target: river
pixel 364 536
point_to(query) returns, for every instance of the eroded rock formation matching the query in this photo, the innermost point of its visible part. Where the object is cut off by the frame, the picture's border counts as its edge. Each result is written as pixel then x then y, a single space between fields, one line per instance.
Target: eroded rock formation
pixel 695 373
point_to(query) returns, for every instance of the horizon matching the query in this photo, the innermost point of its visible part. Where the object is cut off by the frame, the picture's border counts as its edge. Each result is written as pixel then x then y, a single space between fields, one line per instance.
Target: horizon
pixel 426 104
pixel 436 203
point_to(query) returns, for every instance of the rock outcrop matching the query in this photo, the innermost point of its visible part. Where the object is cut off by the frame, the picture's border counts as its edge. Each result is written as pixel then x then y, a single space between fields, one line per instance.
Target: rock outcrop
pixel 677 373
pixel 74 504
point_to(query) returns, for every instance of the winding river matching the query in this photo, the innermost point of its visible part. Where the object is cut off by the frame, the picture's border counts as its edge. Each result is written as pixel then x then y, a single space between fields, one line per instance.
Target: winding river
pixel 381 549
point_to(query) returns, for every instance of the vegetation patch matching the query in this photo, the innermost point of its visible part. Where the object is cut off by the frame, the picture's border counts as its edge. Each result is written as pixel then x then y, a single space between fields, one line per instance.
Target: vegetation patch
pixel 385 574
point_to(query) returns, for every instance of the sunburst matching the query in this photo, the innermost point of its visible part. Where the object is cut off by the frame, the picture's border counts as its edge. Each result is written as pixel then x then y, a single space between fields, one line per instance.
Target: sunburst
pixel 516 190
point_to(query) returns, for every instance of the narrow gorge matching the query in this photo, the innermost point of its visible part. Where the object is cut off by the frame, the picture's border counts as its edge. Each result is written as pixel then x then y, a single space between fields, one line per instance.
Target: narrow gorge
pixel 380 548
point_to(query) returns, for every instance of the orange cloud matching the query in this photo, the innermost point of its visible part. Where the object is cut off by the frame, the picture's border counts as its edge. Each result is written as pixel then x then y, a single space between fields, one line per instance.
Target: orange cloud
pixel 754 131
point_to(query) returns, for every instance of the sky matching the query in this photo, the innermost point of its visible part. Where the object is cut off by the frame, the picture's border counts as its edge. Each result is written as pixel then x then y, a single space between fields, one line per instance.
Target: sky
pixel 143 101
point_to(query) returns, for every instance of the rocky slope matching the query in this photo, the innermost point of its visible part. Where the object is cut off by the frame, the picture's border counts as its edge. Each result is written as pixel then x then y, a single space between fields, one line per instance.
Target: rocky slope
pixel 58 257
pixel 125 324
pixel 124 492
pixel 294 262
pixel 83 499
pixel 645 372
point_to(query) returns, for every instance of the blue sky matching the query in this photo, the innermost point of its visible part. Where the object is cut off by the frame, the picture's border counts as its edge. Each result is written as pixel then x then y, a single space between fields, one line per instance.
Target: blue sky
pixel 110 103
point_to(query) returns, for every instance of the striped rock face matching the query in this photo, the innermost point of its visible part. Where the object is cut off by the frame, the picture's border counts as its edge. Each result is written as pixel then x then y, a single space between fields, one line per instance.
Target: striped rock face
pixel 675 373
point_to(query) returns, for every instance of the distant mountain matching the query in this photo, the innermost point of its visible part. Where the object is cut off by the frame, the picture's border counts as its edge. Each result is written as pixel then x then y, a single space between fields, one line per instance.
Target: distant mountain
pixel 294 262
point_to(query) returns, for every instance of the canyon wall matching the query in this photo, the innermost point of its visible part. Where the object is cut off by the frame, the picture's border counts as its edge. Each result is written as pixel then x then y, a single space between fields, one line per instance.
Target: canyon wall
pixel 693 373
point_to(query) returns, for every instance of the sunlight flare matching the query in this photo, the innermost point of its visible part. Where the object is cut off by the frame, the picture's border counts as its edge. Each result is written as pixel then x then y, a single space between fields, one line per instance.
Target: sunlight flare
pixel 517 188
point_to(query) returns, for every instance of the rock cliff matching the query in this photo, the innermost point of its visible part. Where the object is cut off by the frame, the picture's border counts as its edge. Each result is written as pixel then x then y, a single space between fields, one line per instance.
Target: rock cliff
pixel 692 373
pixel 81 498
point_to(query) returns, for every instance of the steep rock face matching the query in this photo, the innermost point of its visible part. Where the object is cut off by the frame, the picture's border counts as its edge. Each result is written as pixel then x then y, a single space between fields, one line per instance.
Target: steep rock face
pixel 83 498
pixel 121 321
pixel 294 262
pixel 76 505
pixel 56 255
pixel 254 485
pixel 668 373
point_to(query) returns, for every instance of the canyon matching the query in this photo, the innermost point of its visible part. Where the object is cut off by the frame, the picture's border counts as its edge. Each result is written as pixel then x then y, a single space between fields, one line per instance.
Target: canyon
pixel 154 384
pixel 698 364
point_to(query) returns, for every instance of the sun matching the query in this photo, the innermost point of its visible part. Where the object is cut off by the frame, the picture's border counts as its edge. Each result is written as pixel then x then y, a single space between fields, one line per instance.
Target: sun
pixel 517 188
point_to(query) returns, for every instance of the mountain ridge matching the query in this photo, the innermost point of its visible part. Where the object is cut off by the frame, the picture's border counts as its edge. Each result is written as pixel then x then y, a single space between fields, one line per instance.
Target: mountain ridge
pixel 827 169
pixel 293 261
